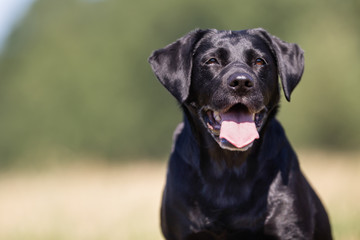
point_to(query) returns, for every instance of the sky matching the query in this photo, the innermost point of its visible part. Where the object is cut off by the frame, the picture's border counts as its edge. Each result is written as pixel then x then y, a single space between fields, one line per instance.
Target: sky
pixel 11 11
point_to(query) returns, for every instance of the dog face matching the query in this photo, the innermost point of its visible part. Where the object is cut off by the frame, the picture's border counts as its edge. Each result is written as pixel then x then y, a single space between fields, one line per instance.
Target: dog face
pixel 229 79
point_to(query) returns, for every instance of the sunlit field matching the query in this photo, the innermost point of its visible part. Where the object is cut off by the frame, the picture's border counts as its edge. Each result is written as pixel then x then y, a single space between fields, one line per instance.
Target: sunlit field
pixel 98 201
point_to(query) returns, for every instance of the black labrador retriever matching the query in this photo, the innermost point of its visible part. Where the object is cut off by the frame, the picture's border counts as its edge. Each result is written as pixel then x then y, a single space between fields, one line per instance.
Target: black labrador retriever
pixel 232 172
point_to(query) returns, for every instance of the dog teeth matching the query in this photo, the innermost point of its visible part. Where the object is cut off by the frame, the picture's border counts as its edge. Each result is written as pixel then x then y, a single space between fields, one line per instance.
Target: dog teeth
pixel 217 117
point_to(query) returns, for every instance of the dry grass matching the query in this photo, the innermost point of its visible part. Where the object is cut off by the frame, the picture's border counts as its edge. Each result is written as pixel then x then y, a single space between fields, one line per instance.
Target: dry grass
pixel 335 177
pixel 122 202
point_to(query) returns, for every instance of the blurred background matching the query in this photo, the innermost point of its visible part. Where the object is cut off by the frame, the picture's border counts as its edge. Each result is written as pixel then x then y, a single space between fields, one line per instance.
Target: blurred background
pixel 85 127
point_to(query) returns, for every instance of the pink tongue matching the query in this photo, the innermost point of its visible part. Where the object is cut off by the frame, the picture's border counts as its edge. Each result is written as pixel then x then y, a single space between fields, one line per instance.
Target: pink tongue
pixel 238 128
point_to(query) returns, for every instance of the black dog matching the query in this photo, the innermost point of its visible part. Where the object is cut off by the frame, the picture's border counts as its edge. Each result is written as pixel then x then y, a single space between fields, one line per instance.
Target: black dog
pixel 232 172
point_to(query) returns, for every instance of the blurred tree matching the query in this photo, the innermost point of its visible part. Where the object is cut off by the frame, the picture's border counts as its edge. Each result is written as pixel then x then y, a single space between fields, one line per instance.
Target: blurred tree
pixel 75 77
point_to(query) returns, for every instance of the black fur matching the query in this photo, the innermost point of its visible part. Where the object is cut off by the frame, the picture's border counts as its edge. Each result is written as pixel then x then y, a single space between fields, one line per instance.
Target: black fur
pixel 213 190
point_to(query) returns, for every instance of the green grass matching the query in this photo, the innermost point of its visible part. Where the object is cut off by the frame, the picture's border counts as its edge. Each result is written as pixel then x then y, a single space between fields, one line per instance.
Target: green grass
pixel 104 202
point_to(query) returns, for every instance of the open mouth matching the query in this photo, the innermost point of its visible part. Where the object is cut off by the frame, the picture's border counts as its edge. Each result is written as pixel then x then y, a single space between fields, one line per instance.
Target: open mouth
pixel 235 128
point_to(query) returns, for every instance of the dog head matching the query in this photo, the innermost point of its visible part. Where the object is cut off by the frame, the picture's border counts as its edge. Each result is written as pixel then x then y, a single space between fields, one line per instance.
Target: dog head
pixel 229 79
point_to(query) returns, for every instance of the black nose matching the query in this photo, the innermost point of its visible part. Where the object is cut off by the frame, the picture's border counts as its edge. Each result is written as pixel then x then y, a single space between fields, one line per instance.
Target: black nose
pixel 240 81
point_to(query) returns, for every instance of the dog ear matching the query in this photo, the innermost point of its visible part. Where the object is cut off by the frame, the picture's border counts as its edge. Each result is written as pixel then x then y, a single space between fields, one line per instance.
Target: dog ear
pixel 290 61
pixel 172 64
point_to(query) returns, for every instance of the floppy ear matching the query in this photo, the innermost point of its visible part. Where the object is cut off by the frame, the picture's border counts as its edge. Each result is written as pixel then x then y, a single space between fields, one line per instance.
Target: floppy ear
pixel 290 61
pixel 172 64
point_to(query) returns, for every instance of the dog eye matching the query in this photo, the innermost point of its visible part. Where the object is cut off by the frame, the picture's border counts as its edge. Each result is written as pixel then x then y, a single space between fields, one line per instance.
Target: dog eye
pixel 212 61
pixel 260 62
